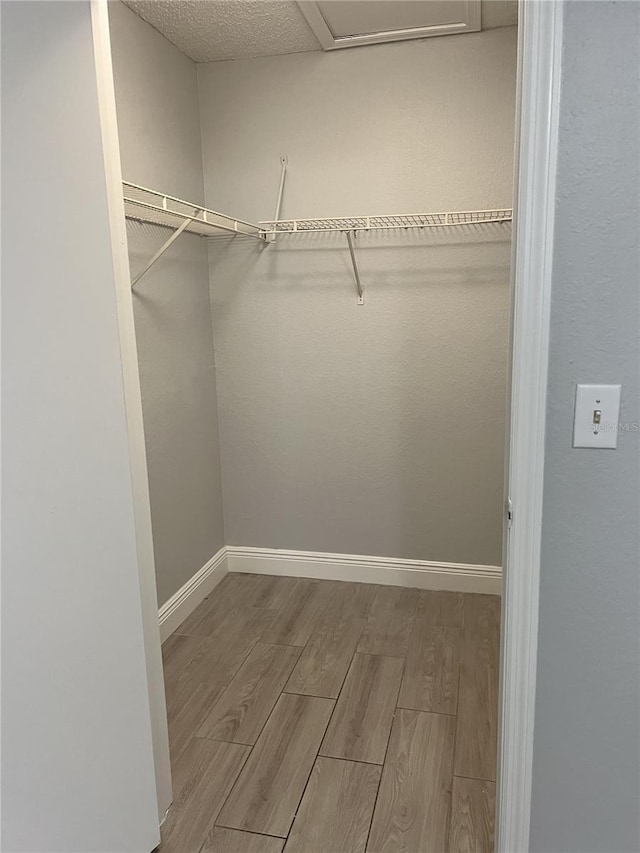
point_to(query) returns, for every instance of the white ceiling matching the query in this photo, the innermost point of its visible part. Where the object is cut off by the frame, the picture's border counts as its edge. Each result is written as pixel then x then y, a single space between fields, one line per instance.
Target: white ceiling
pixel 212 30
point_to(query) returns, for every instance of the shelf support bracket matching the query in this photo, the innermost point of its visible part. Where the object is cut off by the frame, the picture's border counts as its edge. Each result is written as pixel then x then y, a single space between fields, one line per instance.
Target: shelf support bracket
pixel 163 249
pixel 350 235
pixel 283 174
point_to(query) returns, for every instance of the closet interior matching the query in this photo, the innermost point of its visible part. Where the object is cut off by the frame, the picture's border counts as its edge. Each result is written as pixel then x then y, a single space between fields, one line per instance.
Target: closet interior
pixel 319 201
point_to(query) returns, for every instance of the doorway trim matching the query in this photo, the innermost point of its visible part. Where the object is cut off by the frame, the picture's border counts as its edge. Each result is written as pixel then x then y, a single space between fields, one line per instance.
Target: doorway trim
pixel 539 72
pixel 133 407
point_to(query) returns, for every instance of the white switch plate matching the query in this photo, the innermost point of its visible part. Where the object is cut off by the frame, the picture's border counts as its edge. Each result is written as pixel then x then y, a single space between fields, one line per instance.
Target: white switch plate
pixel 597 415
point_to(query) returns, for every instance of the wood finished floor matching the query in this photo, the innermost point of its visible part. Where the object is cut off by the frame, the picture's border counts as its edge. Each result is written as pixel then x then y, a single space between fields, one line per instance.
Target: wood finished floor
pixel 325 717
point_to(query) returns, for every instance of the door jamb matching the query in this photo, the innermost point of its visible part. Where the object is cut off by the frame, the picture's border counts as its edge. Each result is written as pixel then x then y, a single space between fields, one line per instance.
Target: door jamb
pixel 539 71
pixel 133 407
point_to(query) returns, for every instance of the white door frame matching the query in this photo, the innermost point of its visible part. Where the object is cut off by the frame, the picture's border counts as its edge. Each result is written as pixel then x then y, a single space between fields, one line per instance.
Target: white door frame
pixel 133 406
pixel 539 67
pixel 540 43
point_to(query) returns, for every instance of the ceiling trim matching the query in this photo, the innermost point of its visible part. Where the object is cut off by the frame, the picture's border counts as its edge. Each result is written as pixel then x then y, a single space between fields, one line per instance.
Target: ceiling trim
pixel 310 9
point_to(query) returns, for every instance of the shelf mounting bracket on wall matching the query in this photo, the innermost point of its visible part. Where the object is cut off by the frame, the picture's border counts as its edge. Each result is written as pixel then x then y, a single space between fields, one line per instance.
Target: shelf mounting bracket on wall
pixel 163 249
pixel 283 174
pixel 350 237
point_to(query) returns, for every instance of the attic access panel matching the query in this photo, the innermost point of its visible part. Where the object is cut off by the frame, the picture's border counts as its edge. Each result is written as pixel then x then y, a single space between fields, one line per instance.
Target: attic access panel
pixel 352 23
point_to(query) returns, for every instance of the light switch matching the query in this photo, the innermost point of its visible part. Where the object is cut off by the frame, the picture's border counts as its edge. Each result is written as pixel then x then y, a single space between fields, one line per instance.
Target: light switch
pixel 597 415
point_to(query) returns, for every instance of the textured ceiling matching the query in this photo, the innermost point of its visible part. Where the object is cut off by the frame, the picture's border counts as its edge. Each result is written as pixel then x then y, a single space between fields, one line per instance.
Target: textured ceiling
pixel 209 30
pixel 212 30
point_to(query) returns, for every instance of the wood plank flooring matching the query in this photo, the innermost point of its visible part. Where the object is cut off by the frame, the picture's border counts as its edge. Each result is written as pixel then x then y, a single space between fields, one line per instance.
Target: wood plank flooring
pixel 413 808
pixel 472 813
pixel 477 729
pixel 325 717
pixel 335 813
pixel 271 785
pixel 244 707
pixel 361 722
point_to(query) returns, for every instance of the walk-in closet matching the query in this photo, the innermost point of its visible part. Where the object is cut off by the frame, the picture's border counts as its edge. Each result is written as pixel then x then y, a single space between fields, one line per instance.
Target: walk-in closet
pixel 318 202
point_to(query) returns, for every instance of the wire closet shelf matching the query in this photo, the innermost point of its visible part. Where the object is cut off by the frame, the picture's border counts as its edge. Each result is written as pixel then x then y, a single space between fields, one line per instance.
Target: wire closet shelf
pixel 386 222
pixel 145 205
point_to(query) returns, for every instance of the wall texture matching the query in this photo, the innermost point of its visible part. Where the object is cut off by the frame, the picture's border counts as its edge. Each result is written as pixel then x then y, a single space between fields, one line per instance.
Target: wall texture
pixel 375 429
pixel 77 762
pixel 586 768
pixel 159 128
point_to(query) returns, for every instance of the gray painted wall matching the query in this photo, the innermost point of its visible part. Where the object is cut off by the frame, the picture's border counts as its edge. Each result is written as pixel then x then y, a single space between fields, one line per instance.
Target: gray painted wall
pixel 376 429
pixel 586 768
pixel 77 762
pixel 159 129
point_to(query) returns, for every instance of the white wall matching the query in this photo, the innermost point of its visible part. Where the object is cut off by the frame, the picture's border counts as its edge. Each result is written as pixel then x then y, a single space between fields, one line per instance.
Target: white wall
pixel 77 762
pixel 586 762
pixel 376 429
pixel 159 130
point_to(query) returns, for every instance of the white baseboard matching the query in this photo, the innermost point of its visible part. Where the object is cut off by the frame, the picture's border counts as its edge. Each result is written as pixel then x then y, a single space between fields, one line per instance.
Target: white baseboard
pixel 456 577
pixel 189 596
pixel 423 574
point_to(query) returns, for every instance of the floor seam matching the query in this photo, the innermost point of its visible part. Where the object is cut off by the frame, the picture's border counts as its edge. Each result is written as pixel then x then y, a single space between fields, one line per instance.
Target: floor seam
pixel 326 728
pixel 386 752
pixel 473 778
